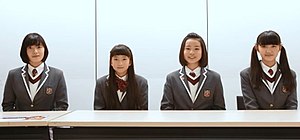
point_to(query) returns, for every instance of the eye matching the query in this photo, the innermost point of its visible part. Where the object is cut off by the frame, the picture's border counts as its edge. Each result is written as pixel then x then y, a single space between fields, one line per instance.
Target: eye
pixel 187 48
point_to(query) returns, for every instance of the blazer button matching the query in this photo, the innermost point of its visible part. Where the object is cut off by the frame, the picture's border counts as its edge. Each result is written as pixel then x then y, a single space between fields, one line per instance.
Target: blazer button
pixel 31 105
pixel 271 105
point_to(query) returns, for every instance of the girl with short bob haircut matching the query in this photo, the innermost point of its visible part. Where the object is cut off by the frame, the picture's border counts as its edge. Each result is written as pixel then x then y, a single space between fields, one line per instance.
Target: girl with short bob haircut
pixel 35 86
pixel 122 89
pixel 194 86
pixel 268 84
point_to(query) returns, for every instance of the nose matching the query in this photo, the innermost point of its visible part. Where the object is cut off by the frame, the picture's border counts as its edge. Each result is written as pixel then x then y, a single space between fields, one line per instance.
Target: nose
pixel 268 50
pixel 120 63
pixel 35 50
pixel 191 51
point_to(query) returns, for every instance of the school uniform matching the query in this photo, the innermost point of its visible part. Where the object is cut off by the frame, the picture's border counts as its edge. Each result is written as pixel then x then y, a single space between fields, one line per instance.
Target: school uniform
pixel 101 94
pixel 208 94
pixel 270 95
pixel 50 95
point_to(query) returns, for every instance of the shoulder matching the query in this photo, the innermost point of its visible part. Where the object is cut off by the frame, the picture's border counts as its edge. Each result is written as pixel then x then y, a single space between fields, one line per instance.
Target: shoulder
pixel 211 72
pixel 293 72
pixel 16 70
pixel 175 73
pixel 140 78
pixel 103 78
pixel 245 71
pixel 54 70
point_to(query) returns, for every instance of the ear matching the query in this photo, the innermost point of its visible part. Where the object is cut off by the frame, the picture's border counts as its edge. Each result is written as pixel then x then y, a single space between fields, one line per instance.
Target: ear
pixel 130 63
pixel 110 63
pixel 256 47
pixel 280 46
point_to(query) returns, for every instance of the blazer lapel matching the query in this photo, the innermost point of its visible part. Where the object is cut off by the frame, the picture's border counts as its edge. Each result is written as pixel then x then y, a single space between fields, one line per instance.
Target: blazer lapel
pixel 182 77
pixel 202 80
pixel 278 77
pixel 25 79
pixel 44 77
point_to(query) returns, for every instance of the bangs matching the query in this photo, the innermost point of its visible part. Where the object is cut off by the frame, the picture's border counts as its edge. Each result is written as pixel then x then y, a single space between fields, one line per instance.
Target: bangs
pixel 120 50
pixel 34 40
pixel 268 38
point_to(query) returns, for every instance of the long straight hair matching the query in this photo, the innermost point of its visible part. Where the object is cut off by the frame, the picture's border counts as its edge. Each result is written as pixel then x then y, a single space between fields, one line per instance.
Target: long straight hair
pixel 271 38
pixel 134 99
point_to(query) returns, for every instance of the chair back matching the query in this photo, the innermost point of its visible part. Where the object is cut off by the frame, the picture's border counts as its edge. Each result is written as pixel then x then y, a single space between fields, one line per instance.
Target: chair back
pixel 240 103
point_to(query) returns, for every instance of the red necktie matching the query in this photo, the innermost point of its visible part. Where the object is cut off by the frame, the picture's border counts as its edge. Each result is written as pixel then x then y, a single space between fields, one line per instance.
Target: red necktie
pixel 34 72
pixel 192 74
pixel 270 71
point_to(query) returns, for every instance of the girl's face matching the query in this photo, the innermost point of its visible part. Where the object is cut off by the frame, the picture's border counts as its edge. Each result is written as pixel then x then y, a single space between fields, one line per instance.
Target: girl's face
pixel 35 54
pixel 192 53
pixel 120 64
pixel 268 53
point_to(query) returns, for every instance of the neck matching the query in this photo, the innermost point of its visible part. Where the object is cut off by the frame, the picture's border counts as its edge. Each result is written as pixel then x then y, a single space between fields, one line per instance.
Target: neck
pixel 192 66
pixel 270 64
pixel 35 64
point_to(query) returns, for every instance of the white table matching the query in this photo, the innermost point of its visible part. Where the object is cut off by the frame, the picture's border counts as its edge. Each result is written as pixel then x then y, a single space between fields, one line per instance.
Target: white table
pixel 26 118
pixel 27 124
pixel 179 124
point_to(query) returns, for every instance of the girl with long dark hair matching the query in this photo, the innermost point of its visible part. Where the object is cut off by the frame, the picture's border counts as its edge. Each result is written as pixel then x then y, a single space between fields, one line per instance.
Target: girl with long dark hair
pixel 122 89
pixel 268 84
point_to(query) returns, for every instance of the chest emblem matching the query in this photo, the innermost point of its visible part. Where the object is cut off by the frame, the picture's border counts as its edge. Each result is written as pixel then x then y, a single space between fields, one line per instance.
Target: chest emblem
pixel 207 93
pixel 49 91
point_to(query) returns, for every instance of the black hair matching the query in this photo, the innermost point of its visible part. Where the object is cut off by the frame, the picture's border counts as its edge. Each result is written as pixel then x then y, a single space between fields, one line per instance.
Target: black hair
pixel 29 40
pixel 134 98
pixel 204 59
pixel 271 38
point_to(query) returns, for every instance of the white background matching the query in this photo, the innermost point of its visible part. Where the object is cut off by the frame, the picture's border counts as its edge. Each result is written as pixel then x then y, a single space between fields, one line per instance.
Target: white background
pixel 153 29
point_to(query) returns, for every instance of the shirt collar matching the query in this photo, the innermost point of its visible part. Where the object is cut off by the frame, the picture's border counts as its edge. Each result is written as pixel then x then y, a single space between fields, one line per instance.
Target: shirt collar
pixel 125 77
pixel 196 71
pixel 266 68
pixel 39 69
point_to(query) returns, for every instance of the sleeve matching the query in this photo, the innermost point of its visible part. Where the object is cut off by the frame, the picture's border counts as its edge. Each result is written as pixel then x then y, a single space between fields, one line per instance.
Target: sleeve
pixel 9 98
pixel 167 102
pixel 144 93
pixel 248 95
pixel 292 102
pixel 99 103
pixel 61 96
pixel 219 103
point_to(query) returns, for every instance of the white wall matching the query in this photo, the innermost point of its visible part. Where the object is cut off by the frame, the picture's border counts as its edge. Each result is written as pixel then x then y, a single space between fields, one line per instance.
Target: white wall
pixel 153 29
pixel 68 29
pixel 233 28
